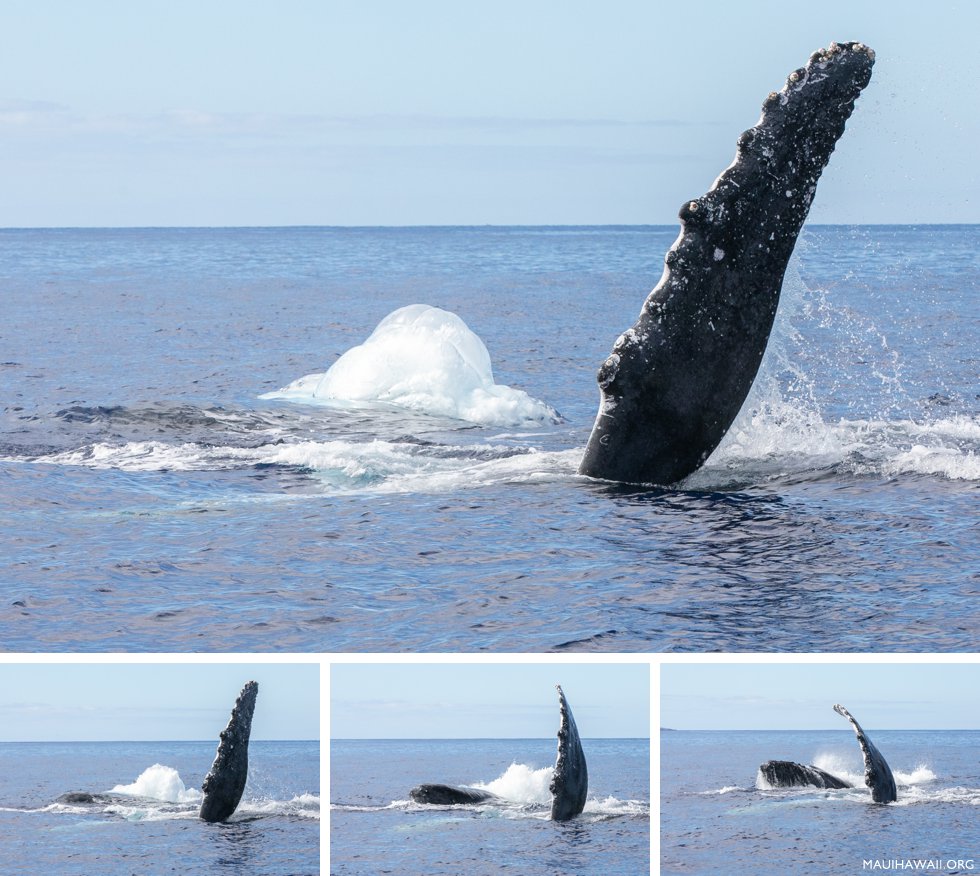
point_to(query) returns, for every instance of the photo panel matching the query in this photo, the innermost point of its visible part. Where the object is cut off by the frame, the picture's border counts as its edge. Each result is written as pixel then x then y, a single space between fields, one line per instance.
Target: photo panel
pixel 112 767
pixel 529 767
pixel 819 767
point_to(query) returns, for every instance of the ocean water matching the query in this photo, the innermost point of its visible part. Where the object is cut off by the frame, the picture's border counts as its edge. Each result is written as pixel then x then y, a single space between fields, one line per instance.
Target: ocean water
pixel 153 499
pixel 153 827
pixel 375 828
pixel 715 819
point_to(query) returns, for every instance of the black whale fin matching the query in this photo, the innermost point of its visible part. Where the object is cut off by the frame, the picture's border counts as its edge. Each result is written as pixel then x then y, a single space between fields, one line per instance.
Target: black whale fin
pixel 676 380
pixel 877 774
pixel 225 783
pixel 570 784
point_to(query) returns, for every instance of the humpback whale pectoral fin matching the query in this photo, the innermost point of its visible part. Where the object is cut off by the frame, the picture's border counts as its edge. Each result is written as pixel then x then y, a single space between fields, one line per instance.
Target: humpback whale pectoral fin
pixel 225 783
pixel 877 773
pixel 702 332
pixel 570 783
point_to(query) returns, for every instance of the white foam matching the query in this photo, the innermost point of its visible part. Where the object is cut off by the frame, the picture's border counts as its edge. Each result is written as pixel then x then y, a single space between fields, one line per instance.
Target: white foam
pixel 140 456
pixel 150 813
pixel 342 466
pixel 777 437
pixel 302 806
pixel 394 804
pixel 956 795
pixel 160 782
pixel 425 359
pixel 775 440
pixel 612 806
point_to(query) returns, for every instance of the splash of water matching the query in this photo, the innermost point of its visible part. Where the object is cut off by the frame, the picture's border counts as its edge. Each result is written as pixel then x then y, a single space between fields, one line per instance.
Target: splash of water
pixel 425 359
pixel 848 767
pixel 521 783
pixel 920 775
pixel 160 782
pixel 781 430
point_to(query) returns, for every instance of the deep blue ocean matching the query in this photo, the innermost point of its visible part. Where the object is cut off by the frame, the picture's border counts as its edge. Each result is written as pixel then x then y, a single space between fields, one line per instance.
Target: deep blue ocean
pixel 274 832
pixel 375 827
pixel 715 819
pixel 151 500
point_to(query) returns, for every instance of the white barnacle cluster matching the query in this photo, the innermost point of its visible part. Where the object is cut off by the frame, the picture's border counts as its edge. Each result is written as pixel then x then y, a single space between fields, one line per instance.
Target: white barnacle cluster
pixel 626 339
pixel 797 81
pixel 608 371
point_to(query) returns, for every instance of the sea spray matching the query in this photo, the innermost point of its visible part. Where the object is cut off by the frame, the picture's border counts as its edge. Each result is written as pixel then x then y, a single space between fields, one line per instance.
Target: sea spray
pixel 783 429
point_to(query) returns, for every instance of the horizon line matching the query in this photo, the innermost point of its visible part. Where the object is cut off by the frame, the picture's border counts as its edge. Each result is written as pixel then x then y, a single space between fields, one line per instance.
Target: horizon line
pixel 813 729
pixel 451 225
pixel 108 741
pixel 472 738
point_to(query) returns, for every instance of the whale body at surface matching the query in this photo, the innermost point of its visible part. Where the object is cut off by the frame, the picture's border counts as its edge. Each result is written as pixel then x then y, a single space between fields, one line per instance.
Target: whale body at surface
pixel 449 795
pixel 787 774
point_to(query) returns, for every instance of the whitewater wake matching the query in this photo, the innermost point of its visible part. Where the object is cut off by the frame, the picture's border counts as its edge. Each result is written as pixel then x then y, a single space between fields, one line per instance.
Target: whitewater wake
pixel 407 412
pixel 916 785
pixel 522 792
pixel 159 794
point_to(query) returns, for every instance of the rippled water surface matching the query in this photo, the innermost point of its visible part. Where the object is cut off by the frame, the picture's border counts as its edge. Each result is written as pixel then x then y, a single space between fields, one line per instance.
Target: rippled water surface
pixel 714 818
pixel 274 832
pixel 375 827
pixel 151 500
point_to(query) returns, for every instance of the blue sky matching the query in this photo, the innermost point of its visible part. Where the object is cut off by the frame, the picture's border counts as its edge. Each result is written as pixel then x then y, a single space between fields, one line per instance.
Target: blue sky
pixel 486 701
pixel 42 702
pixel 391 113
pixel 795 696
